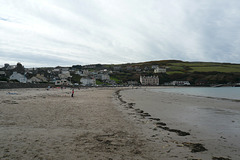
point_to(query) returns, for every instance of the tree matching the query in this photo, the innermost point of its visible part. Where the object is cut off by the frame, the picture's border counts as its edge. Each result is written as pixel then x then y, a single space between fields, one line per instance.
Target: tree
pixel 20 68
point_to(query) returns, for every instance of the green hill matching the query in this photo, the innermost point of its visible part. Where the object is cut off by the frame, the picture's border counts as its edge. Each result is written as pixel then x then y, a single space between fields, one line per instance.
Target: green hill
pixel 198 73
pixel 175 66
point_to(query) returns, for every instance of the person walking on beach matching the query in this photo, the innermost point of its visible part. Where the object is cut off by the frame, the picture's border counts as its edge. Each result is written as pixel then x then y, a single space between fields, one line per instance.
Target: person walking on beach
pixel 72 92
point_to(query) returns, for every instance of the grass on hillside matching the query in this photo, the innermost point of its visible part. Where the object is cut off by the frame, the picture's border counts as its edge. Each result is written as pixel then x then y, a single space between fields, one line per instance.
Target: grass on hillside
pixel 195 64
pixel 215 69
pixel 115 79
pixel 177 68
pixel 203 67
pixel 174 72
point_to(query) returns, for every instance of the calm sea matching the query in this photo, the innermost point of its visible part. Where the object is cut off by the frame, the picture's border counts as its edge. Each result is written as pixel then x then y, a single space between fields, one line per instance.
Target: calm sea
pixel 218 92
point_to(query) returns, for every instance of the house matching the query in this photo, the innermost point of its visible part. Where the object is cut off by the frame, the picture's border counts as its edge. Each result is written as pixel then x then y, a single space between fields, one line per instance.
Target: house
pixel 63 69
pixel 65 72
pixel 63 82
pixel 11 67
pixel 89 66
pixel 87 81
pixel 237 85
pixel 29 70
pixel 180 83
pixel 17 76
pixel 78 72
pixel 41 77
pixel 146 69
pixel 64 75
pixel 56 70
pixel 149 80
pixel 2 74
pixel 85 73
pixel 34 80
pixel 160 70
pixel 154 66
pixel 133 83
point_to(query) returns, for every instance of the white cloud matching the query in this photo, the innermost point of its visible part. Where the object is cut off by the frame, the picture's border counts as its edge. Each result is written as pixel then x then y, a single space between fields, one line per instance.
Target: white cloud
pixel 62 32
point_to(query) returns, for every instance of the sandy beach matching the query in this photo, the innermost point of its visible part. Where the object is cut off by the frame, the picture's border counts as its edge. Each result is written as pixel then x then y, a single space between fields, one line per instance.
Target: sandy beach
pixel 114 123
pixel 190 120
pixel 41 124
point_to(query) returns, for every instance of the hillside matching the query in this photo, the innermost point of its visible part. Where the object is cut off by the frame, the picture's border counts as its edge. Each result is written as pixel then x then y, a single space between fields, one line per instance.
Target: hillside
pixel 198 73
pixel 176 66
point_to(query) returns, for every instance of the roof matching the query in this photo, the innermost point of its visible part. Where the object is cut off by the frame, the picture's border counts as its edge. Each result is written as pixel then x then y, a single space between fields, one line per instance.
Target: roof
pixel 2 72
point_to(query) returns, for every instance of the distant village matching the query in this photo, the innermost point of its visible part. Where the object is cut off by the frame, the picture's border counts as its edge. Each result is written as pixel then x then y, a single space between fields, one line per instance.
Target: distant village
pixel 88 75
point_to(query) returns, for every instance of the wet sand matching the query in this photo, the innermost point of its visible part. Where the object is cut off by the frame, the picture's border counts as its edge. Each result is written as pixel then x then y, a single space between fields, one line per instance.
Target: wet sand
pixel 108 123
pixel 214 123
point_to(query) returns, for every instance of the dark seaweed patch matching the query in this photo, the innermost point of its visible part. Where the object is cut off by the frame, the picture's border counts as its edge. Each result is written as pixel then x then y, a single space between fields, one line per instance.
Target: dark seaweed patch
pixel 195 147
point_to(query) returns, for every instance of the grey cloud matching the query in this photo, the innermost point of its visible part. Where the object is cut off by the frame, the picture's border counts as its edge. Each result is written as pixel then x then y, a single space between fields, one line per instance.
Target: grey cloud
pixel 120 31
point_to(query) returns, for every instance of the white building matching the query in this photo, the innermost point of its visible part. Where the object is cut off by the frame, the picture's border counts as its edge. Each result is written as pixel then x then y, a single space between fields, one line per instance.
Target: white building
pixel 160 70
pixel 90 66
pixel 85 73
pixel 180 83
pixel 64 75
pixel 88 81
pixel 64 69
pixel 149 80
pixel 154 66
pixel 79 72
pixel 17 76
pixel 56 70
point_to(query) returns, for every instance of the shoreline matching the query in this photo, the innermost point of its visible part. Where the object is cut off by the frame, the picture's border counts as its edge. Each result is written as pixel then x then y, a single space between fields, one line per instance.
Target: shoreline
pixel 186 109
pixel 186 92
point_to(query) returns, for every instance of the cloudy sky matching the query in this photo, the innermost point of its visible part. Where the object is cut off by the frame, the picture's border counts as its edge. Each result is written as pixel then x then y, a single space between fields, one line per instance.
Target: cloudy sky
pixel 67 32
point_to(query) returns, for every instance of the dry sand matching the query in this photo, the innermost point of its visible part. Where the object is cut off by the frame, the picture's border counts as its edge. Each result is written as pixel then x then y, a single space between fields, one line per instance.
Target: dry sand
pixel 95 124
pixel 51 125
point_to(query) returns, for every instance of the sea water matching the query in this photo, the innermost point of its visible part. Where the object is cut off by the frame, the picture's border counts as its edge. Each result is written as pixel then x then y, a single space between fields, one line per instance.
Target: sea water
pixel 215 92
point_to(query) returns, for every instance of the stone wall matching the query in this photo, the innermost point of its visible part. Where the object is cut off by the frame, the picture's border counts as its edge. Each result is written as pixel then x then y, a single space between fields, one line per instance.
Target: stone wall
pixel 23 85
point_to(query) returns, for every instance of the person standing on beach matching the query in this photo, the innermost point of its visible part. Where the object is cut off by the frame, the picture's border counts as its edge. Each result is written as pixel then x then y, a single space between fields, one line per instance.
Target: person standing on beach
pixel 72 92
